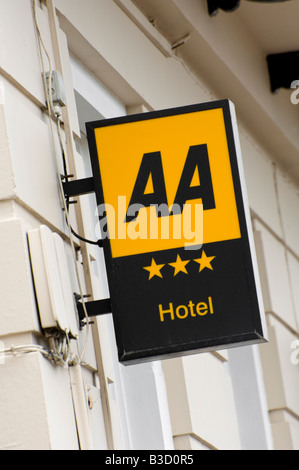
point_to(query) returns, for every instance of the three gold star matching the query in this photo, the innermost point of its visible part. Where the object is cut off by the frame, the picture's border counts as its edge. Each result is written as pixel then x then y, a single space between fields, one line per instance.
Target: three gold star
pixel 154 269
pixel 179 265
pixel 204 261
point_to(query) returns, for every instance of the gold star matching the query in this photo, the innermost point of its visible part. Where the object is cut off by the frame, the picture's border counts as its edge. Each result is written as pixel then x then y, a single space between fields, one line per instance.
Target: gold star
pixel 154 269
pixel 179 265
pixel 205 261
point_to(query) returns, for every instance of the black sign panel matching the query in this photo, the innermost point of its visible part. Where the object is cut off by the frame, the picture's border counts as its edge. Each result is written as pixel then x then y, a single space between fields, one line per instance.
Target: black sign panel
pixel 176 228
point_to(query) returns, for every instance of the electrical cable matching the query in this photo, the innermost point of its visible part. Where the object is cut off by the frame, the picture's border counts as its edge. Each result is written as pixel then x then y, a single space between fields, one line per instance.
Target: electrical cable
pixel 98 243
pixel 54 114
pixel 52 355
pixel 62 148
pixel 42 45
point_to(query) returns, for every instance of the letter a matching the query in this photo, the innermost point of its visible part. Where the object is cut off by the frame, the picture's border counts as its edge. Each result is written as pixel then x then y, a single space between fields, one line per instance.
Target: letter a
pixel 197 160
pixel 150 175
pixel 295 94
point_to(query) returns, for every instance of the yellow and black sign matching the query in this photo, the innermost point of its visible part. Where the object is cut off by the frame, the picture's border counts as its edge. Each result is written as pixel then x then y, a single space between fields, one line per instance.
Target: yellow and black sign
pixel 176 231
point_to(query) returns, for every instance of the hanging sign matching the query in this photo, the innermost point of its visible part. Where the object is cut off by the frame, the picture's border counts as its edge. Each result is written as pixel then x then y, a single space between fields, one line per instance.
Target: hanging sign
pixel 174 218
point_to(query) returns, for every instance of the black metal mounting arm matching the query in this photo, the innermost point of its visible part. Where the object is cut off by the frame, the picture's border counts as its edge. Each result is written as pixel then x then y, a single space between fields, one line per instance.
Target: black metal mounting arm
pixel 78 187
pixel 94 308
pixel 226 5
pixel 283 69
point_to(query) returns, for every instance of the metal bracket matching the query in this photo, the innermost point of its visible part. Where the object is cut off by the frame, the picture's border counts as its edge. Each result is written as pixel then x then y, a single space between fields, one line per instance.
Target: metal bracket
pixel 97 307
pixel 94 308
pixel 283 69
pixel 78 187
pixel 225 5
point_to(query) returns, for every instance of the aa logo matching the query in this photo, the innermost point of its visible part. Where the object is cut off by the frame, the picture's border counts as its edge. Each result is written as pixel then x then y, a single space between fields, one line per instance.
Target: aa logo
pixel 150 187
pixel 167 183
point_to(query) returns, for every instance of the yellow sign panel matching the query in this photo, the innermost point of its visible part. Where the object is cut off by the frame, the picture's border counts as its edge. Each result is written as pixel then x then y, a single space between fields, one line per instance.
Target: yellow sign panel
pixel 176 233
pixel 168 159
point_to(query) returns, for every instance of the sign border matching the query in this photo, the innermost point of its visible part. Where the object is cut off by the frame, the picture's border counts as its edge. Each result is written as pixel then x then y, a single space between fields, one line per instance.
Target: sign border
pixel 260 334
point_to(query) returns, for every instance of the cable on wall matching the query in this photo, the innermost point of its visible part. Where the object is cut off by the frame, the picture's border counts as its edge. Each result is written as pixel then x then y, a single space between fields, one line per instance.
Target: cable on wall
pixel 56 357
pixel 98 243
pixel 54 113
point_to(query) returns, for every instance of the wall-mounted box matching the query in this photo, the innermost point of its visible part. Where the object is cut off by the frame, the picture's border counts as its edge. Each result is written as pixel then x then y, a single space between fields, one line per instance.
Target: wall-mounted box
pixel 52 281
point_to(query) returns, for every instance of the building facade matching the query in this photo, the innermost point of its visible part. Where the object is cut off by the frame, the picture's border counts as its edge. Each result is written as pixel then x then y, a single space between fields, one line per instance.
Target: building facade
pixel 63 387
